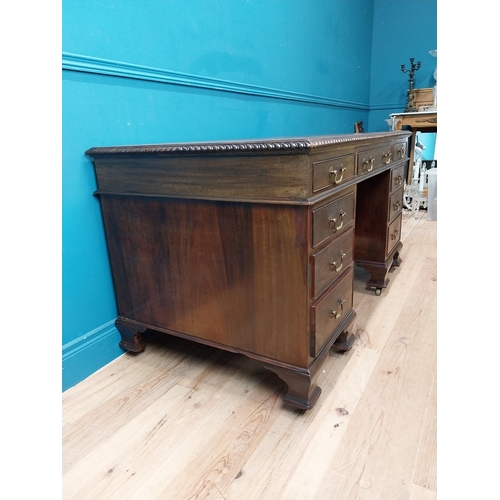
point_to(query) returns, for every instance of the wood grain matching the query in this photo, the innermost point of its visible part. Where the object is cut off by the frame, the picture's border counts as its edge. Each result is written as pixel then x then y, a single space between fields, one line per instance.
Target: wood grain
pixel 228 273
pixel 187 421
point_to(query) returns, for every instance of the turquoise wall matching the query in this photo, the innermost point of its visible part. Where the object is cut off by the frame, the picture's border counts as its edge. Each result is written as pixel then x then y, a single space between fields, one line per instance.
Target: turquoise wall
pixel 402 29
pixel 191 70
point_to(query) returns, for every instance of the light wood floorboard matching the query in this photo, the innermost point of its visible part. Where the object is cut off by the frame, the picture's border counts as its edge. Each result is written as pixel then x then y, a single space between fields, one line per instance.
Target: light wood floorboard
pixel 186 421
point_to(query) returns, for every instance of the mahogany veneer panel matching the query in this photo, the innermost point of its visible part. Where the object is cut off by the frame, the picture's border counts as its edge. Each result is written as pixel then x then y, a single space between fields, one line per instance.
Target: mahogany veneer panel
pixel 230 273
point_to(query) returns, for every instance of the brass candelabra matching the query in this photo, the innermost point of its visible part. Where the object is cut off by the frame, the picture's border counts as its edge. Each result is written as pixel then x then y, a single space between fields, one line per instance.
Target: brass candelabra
pixel 410 106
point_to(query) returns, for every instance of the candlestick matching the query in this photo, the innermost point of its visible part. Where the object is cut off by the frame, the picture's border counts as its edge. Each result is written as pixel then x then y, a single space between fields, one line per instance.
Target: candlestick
pixel 410 106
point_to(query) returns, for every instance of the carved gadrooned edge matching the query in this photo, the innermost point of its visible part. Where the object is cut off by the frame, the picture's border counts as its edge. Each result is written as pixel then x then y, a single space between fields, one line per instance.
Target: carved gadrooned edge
pixel 285 144
pixel 200 148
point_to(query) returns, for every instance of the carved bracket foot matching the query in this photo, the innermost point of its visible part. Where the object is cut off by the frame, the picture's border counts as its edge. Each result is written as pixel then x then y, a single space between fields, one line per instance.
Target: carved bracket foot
pixel 303 391
pixel 344 341
pixel 378 276
pixel 396 260
pixel 132 335
pixel 379 270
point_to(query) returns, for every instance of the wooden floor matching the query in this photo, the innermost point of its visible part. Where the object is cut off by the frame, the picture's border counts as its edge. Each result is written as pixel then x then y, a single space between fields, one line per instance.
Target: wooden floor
pixel 185 421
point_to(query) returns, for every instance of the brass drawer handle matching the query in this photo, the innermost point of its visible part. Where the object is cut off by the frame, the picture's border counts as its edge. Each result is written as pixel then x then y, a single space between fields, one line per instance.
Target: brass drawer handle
pixel 398 180
pixel 401 153
pixel 397 205
pixel 368 162
pixel 395 235
pixel 387 158
pixel 333 264
pixel 333 173
pixel 333 221
pixel 335 314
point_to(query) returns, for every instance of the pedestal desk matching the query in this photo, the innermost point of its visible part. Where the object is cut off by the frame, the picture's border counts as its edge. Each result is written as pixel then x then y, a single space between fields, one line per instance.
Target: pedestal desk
pixel 419 121
pixel 249 246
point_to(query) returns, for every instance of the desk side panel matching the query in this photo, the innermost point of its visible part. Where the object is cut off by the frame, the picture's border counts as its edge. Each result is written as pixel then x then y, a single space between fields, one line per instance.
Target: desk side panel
pixel 231 273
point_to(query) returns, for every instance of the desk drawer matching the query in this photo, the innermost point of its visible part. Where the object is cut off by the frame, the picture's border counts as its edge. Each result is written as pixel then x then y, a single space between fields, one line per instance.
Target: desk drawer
pixel 332 171
pixel 333 218
pixel 329 263
pixel 330 310
pixel 393 233
pixel 400 150
pixel 395 204
pixel 397 178
pixel 374 158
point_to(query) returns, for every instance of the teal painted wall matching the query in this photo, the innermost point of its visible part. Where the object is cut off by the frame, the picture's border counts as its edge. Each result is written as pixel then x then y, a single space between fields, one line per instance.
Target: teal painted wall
pixel 191 70
pixel 401 29
pixel 310 47
pixel 153 72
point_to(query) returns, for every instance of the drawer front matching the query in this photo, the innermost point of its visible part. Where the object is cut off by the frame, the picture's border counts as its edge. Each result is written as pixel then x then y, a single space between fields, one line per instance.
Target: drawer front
pixel 332 172
pixel 393 234
pixel 330 310
pixel 395 204
pixel 333 218
pixel 374 158
pixel 400 150
pixel 397 178
pixel 329 263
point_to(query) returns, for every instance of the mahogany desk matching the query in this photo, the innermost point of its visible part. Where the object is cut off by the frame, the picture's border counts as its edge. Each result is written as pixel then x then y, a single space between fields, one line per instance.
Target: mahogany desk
pixel 249 246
